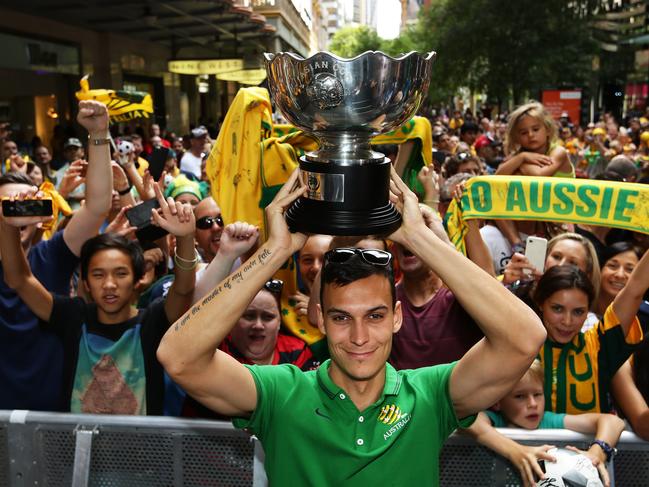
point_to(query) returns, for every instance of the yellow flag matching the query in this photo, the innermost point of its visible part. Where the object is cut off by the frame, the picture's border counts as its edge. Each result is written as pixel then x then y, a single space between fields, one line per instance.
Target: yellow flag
pixel 246 168
pixel 122 105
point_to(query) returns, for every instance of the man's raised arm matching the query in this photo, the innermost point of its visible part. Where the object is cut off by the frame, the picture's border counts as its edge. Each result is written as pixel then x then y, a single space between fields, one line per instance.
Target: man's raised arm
pixel 513 332
pixel 85 223
pixel 188 350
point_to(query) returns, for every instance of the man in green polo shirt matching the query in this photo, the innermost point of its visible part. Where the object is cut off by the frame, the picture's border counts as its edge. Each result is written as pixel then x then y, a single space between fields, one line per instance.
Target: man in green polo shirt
pixel 355 420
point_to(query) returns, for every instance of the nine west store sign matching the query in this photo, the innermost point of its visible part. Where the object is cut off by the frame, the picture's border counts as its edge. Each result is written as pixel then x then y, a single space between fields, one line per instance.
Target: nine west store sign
pixel 26 53
pixel 205 66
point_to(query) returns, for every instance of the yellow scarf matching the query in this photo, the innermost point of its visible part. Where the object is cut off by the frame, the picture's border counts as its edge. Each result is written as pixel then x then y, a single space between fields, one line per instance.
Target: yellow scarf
pixel 606 203
pixel 59 207
pixel 246 168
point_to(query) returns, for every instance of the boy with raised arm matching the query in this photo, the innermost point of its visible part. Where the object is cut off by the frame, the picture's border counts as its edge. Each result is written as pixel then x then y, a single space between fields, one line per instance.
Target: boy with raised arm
pixel 109 358
pixel 30 358
pixel 368 422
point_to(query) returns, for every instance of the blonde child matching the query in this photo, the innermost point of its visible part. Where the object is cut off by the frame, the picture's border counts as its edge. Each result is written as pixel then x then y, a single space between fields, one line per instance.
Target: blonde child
pixel 531 145
pixel 524 408
pixel 532 148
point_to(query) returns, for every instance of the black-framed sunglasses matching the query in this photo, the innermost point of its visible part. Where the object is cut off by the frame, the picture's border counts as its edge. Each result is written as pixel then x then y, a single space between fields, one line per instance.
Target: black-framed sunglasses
pixel 462 156
pixel 374 257
pixel 274 286
pixel 206 222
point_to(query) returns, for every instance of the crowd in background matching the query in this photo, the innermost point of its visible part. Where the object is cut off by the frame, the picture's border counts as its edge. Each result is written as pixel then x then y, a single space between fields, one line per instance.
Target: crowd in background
pixel 590 294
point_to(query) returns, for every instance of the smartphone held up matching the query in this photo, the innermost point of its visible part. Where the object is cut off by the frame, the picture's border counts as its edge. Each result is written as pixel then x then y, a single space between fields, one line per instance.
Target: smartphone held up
pixel 27 207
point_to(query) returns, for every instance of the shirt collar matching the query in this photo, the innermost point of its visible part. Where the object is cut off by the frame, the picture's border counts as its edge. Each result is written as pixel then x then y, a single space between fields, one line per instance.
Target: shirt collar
pixel 391 387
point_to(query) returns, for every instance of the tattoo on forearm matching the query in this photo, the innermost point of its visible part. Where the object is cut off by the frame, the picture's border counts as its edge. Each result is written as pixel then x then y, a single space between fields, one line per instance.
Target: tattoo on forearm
pixel 234 278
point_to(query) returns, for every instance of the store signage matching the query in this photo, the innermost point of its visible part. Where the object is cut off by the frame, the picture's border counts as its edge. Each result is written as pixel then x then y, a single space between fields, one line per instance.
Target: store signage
pixel 244 76
pixel 21 52
pixel 558 101
pixel 204 66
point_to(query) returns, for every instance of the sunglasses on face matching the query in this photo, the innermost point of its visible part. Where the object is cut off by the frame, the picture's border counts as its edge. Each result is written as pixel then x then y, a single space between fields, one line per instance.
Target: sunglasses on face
pixel 206 222
pixel 274 286
pixel 374 257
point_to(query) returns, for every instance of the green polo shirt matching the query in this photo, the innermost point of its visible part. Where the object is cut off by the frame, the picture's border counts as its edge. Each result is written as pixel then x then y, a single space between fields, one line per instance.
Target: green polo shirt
pixel 313 434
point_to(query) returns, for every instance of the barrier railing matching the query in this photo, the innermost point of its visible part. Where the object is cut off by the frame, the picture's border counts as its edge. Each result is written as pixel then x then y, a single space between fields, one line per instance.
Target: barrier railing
pixel 48 449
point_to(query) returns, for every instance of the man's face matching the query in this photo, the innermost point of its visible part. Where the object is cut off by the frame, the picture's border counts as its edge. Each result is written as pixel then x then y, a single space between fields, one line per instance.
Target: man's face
pixel 469 136
pixel 137 146
pixel 444 143
pixel 208 238
pixel 359 321
pixel 198 143
pixel 27 232
pixel 9 148
pixel 488 152
pixel 72 153
pixel 411 265
pixel 110 281
pixel 155 129
pixel 43 155
pixel 178 145
pixel 311 258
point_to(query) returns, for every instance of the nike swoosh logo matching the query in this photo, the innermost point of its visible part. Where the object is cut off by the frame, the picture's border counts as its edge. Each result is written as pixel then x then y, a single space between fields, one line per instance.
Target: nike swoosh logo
pixel 320 413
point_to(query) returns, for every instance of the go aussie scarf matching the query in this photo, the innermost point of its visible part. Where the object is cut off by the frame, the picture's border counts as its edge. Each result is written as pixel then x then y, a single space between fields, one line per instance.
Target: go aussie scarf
pixel 606 203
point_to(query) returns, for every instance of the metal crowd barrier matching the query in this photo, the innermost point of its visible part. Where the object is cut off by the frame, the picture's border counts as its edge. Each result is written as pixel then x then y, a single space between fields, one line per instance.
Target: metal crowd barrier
pixel 49 449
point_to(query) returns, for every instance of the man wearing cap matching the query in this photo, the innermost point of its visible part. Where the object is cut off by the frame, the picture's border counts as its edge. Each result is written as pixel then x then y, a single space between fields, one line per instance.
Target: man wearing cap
pixel 356 420
pixel 487 149
pixel 72 151
pixel 192 159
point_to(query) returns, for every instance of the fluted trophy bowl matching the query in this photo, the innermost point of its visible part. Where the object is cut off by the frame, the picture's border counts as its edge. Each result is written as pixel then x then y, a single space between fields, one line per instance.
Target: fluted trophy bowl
pixel 344 103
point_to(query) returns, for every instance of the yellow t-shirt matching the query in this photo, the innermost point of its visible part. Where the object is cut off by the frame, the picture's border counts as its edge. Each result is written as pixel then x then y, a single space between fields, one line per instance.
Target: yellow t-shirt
pixel 578 374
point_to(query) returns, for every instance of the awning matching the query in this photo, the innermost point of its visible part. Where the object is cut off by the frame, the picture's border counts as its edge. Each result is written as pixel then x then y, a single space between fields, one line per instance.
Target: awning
pixel 219 27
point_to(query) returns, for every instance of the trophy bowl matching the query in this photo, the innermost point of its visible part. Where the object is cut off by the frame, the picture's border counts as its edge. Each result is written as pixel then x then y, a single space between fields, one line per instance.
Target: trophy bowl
pixel 344 103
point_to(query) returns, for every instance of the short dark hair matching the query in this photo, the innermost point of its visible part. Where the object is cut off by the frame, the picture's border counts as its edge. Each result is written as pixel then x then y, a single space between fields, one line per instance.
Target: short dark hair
pixel 452 164
pixel 108 241
pixel 352 270
pixel 469 127
pixel 619 248
pixel 560 277
pixel 15 177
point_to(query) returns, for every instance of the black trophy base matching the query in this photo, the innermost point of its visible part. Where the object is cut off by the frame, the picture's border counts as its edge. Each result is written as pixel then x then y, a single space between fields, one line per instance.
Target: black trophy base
pixel 310 216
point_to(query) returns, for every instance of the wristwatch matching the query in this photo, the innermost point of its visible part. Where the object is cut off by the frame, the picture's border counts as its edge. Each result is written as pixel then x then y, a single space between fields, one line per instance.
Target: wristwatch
pixel 125 191
pixel 608 450
pixel 99 141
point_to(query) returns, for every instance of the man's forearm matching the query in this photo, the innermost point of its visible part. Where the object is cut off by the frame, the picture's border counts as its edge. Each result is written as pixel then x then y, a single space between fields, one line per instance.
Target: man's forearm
pixel 192 340
pixel 216 271
pixel 14 263
pixel 99 180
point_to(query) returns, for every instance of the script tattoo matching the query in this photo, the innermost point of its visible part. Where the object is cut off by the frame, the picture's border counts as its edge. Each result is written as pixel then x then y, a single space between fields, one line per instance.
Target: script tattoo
pixel 230 281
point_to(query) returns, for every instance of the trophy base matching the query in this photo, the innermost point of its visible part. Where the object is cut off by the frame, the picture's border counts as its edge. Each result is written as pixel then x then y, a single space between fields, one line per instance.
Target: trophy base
pixel 309 216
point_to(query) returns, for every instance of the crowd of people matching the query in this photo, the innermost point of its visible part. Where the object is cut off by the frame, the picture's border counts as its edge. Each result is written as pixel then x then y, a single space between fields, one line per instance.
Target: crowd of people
pixel 175 315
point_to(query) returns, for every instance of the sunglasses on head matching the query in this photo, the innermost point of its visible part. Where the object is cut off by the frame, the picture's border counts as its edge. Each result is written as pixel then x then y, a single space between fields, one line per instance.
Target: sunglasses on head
pixel 206 222
pixel 374 257
pixel 274 286
pixel 463 156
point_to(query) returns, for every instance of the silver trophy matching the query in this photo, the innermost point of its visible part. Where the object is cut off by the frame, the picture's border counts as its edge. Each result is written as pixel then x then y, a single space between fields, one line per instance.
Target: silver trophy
pixel 344 103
